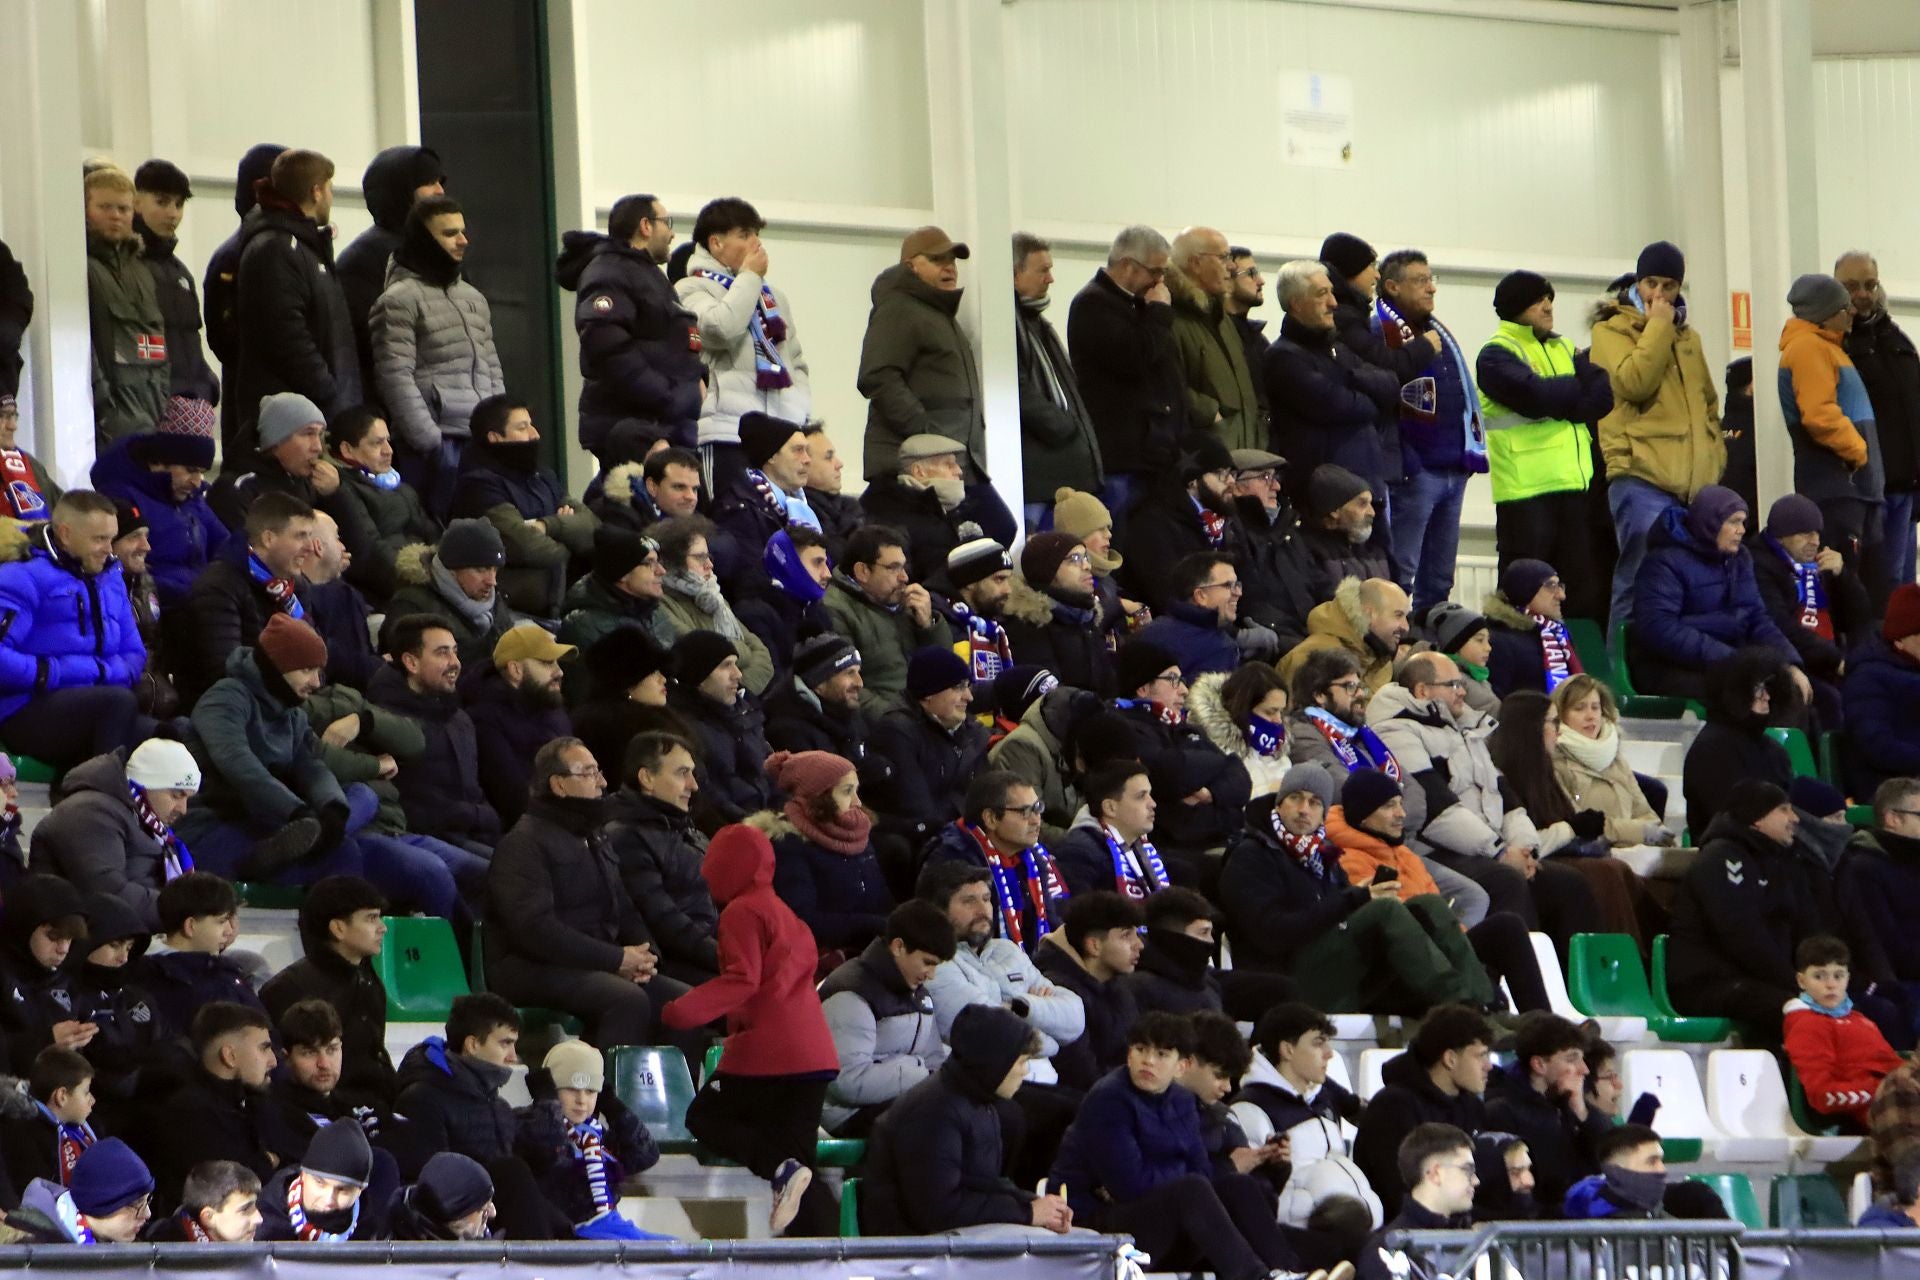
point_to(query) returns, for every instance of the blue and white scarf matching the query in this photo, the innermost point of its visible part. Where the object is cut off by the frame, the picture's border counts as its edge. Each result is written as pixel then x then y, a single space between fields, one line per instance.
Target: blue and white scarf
pixel 386 481
pixel 1420 398
pixel 768 328
pixel 789 508
pixel 1266 737
pixel 1348 743
pixel 1845 1008
pixel 1131 880
pixel 989 650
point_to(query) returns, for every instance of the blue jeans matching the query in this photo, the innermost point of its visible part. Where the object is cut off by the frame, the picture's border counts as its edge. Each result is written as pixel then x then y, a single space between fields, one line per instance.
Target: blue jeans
pixel 1899 525
pixel 1635 505
pixel 223 847
pixel 1039 516
pixel 1424 517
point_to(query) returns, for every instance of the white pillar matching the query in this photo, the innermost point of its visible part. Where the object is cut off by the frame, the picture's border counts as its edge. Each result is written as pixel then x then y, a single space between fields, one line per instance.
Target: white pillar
pixel 42 219
pixel 1701 175
pixel 573 202
pixel 973 201
pixel 396 74
pixel 1776 63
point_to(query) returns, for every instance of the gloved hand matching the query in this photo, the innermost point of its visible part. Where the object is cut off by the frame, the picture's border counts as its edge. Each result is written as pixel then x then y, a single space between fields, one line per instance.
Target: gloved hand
pixel 1257 643
pixel 1657 836
pixel 1589 824
pixel 333 826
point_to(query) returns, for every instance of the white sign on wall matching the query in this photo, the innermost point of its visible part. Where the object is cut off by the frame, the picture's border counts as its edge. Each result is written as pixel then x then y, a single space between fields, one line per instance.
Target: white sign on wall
pixel 1316 119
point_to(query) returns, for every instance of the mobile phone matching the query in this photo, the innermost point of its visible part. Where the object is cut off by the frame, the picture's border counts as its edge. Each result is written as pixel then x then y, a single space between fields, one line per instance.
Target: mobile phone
pixel 1384 874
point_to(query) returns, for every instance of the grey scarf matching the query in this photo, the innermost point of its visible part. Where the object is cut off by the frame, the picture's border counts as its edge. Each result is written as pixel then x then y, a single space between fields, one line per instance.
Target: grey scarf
pixel 478 613
pixel 705 594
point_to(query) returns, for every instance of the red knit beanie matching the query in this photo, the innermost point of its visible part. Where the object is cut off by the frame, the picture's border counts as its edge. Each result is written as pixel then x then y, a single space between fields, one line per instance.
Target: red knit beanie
pixel 292 645
pixel 1903 614
pixel 804 775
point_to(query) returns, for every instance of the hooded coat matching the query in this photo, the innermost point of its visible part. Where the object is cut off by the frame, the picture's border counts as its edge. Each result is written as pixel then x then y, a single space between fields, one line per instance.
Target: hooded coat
pixel 453 1102
pixel 1665 425
pixel 639 347
pixel 725 316
pixel 1341 623
pixel 32 996
pixel 434 356
pixel 767 957
pixel 1067 637
pixel 1693 607
pixel 184 535
pixel 130 371
pixel 388 185
pixel 16 313
pixel 1213 355
pixel 94 840
pixel 918 374
pixel 64 628
pixel 1206 712
pixel 294 325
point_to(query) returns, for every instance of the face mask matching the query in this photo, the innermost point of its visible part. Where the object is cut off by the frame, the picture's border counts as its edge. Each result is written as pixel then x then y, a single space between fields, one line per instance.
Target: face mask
pixel 1266 736
pixel 1641 1190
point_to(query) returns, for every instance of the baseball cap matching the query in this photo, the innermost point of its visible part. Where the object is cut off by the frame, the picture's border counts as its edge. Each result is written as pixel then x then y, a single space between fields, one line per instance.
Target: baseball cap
pixel 933 242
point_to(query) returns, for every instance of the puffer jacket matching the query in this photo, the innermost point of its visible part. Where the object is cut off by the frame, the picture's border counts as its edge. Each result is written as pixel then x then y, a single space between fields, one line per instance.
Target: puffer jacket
pixel 184 535
pixel 659 852
pixel 1836 446
pixel 1614 791
pixel 554 895
pixel 841 897
pixel 1692 608
pixel 918 373
pixel 725 316
pixel 1035 752
pixel 388 184
pixel 1518 660
pixel 130 370
pixel 885 639
pixel 1330 405
pixel 94 840
pixel 433 349
pixel 1207 713
pixel 62 628
pixel 1665 424
pixel 453 1103
pixel 1447 757
pixel 681 614
pixel 639 347
pixel 883 1033
pixel 187 371
pixel 292 320
pixel 1340 623
pixel 997 973
pixel 1214 358
pixel 1066 637
pixel 1362 854
pixel 259 758
pixel 440 790
pixel 1882 695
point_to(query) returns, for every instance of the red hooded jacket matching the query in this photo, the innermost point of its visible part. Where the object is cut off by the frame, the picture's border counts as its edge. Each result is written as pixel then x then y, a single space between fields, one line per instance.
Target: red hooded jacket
pixel 767 957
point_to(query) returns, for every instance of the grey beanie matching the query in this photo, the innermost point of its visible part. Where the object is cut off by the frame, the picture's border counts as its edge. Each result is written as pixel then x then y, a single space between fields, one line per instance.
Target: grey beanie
pixel 1312 778
pixel 1816 298
pixel 285 412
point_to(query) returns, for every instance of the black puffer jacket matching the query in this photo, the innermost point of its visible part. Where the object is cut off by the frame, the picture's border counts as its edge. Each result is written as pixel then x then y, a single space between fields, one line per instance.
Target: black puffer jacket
pixel 639 349
pixel 93 839
pixel 554 894
pixel 931 770
pixel 292 320
pixel 360 998
pixel 733 749
pixel 1408 1099
pixel 453 1103
pixel 441 790
pixel 1277 570
pixel 1734 743
pixel 187 371
pixel 659 851
pixel 388 185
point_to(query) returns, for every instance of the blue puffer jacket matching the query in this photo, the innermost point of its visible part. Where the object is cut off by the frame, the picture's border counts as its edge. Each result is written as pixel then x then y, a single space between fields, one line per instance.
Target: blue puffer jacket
pixel 1124 1143
pixel 62 629
pixel 1693 607
pixel 185 535
pixel 1882 696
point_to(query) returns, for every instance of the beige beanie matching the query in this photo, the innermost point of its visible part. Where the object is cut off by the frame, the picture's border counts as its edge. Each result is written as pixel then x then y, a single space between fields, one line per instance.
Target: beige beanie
pixel 575 1064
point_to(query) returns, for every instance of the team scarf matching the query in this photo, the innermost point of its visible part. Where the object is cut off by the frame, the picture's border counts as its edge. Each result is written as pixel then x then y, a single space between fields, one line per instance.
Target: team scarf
pixel 1127 874
pixel 767 329
pixel 1267 737
pixel 787 508
pixel 179 860
pixel 1556 649
pixel 1161 711
pixel 1348 743
pixel 1808 592
pixel 72 1220
pixel 1420 398
pixel 1040 879
pixel 190 1224
pixel 304 1230
pixel 282 591
pixel 387 480
pixel 23 497
pixel 70 1142
pixel 589 1142
pixel 1304 850
pixel 1212 523
pixel 989 650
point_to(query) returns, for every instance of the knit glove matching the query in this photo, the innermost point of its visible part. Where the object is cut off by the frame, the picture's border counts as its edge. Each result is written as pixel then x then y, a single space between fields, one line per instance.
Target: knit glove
pixel 1257 643
pixel 1589 824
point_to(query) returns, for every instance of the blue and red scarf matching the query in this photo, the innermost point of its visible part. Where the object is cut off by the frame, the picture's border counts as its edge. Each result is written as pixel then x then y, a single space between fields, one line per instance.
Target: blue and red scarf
pixel 1038 878
pixel 1135 875
pixel 768 329
pixel 22 492
pixel 589 1142
pixel 989 651
pixel 284 592
pixel 1420 398
pixel 178 860
pixel 1809 592
pixel 1349 744
pixel 1556 651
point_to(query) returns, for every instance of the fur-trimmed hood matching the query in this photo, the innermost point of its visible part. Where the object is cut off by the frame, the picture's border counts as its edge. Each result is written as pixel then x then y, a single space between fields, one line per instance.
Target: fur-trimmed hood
pixel 1495 609
pixel 1188 294
pixel 1035 607
pixel 410 566
pixel 1342 617
pixel 1206 710
pixel 771 823
pixel 618 486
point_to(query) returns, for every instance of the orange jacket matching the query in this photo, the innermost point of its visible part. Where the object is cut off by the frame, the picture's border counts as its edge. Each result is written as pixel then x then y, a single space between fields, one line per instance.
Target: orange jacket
pixel 1362 854
pixel 1813 360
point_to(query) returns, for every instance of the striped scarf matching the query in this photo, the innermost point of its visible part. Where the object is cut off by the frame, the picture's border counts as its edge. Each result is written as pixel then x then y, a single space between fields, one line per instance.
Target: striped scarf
pixel 73 1140
pixel 1304 850
pixel 1040 882
pixel 768 328
pixel 304 1230
pixel 1348 742
pixel 178 860
pixel 1129 878
pixel 1420 398
pixel 589 1142
pixel 1556 649
pixel 282 591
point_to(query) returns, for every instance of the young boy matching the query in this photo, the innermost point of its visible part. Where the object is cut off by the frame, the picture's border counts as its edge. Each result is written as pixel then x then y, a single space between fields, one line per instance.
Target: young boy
pixel 1220 1058
pixel 108 1201
pixel 1288 1103
pixel 41 921
pixel 306 1088
pixel 1542 1098
pixel 1837 1051
pixel 586 1143
pixel 1097 945
pixel 342 928
pixel 129 1042
pixel 881 1016
pixel 199 918
pixel 50 1142
pixel 219 1204
pixel 1133 1162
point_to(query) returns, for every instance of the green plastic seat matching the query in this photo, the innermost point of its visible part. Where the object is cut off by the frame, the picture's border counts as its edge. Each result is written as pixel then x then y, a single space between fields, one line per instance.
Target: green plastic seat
pixel 1831 767
pixel 1590 646
pixel 1820 1126
pixel 654 1083
pixel 1860 817
pixel 1800 1200
pixel 1736 1192
pixel 420 965
pixel 1634 703
pixel 712 1064
pixel 1799 751
pixel 1607 980
pixel 1674 1026
pixel 850 1209
pixel 29 769
pixel 530 1016
pixel 269 897
pixel 828 1153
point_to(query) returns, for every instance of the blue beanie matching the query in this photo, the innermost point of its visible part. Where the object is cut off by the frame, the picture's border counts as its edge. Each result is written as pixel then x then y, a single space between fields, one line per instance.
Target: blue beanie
pixel 1712 507
pixel 933 670
pixel 107 1178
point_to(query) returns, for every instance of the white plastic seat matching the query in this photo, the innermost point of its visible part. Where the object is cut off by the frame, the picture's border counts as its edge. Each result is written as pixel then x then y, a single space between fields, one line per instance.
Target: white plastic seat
pixel 1668 1074
pixel 1338 1073
pixel 1653 757
pixel 1860 1196
pixel 1618 1030
pixel 1747 1102
pixel 1372 1063
pixel 1352 1026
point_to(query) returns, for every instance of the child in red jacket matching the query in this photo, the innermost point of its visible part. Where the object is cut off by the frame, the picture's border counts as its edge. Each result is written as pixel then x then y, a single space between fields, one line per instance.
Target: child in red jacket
pixel 762 1106
pixel 1838 1053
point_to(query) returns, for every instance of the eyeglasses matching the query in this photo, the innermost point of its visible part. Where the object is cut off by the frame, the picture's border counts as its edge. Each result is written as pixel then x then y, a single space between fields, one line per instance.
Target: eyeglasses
pixel 1243 273
pixel 1455 683
pixel 1233 586
pixel 1080 560
pixel 664 220
pixel 702 557
pixel 1350 685
pixel 592 771
pixel 1171 677
pixel 1155 272
pixel 1035 810
pixel 1473 1174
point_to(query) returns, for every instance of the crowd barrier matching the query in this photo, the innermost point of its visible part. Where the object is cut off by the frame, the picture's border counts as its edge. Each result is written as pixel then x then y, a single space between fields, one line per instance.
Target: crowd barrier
pixel 1664 1250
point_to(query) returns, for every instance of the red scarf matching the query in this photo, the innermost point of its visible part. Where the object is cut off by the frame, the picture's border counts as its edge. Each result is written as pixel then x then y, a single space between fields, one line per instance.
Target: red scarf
pixel 22 492
pixel 196 1234
pixel 1556 648
pixel 848 833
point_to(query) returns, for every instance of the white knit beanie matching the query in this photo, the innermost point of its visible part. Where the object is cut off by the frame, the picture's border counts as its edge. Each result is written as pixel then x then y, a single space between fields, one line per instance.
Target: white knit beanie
pixel 161 764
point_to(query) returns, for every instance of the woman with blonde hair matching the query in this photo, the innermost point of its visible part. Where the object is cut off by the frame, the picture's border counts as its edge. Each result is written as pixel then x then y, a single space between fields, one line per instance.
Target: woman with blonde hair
pixel 1591 768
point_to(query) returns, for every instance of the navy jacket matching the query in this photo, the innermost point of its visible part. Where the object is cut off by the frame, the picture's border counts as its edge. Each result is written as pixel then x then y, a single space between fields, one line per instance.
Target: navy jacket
pixel 440 790
pixel 1129 373
pixel 182 982
pixel 63 629
pixel 1124 1143
pixel 933 1162
pixel 184 535
pixel 488 480
pixel 931 770
pixel 454 1102
pixel 1194 636
pixel 1327 405
pixel 509 732
pixel 1692 608
pixel 842 897
pixel 733 746
pixel 639 349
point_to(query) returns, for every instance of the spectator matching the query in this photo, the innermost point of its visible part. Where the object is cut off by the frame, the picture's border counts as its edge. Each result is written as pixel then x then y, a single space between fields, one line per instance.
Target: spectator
pixel 44 919
pixel 1057 441
pixel 765 496
pixel 1329 403
pixel 1100 930
pixel 1836 446
pixel 289 434
pixel 787 604
pixel 659 849
pixel 710 696
pixel 220 286
pixel 501 481
pixel 1133 1163
pixel 839 513
pixel 1632 1182
pixel 154 693
pixel 163 475
pixel 624 589
pixel 1505 1171
pixel 110 1197
pixel 1890 367
pixel 1287 1101
pixel 219 1204
pixel 391 517
pixel 341 931
pixel 747 339
pixel 1435 1169
pixel 160 195
pixel 1120 330
pixel 1036 750
pixel 45 1142
pixel 458 581
pixel 633 495
pixel 1816 601
pixel 1108 849
pixel 433 355
pixel 1883 681
pixel 249 582
pixel 824 865
pixel 763 1107
pixel 294 326
pixel 16 312
pixel 1438 1080
pixel 28 491
pixel 1369 620
pixel 875 603
pixel 112 830
pixel 1055 617
pixel 1246 291
pixel 1467 638
pixel 1837 1052
pixel 1737 428
pixel 935 747
pixel 1189 509
pixel 639 348
pixel 1279 566
pixel 220 1109
pixel 1202 625
pixel 1084 517
pixel 1179 757
pixel 440 790
pixel 881 1017
pixel 306 1090
pixel 627 694
pixel 395 181
pixel 820 709
pixel 517 705
pixel 1343 538
pixel 126 1049
pixel 1221 398
pixel 979 579
pixel 73 653
pixel 1893 1117
pixel 452 1200
pixel 450 1088
pixel 1244 714
pixel 693 600
pixel 590 1143
pixel 1531 648
pixel 130 370
pixel 1594 773
pixel 199 919
pixel 999 829
pixel 931 502
pixel 1542 1099
pixel 1733 744
pixel 917 368
pixel 1661 442
pixel 318 1200
pixel 1176 970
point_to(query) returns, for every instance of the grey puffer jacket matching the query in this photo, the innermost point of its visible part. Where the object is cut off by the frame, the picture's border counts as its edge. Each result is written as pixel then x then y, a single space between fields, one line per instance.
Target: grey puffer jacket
pixel 94 840
pixel 1446 754
pixel 433 355
pixel 883 1031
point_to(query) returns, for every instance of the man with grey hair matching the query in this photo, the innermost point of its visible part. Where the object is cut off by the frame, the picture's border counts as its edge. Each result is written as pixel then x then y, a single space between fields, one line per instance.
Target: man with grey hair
pixel 1220 392
pixel 1327 402
pixel 1120 332
pixel 1057 443
pixel 1890 366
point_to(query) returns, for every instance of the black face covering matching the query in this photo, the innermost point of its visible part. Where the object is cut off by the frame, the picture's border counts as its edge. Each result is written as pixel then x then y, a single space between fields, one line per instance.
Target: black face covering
pixel 515 455
pixel 1640 1190
pixel 1190 954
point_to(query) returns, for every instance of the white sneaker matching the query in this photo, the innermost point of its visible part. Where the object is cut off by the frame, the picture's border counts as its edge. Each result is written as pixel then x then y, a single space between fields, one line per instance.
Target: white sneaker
pixel 790 1182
